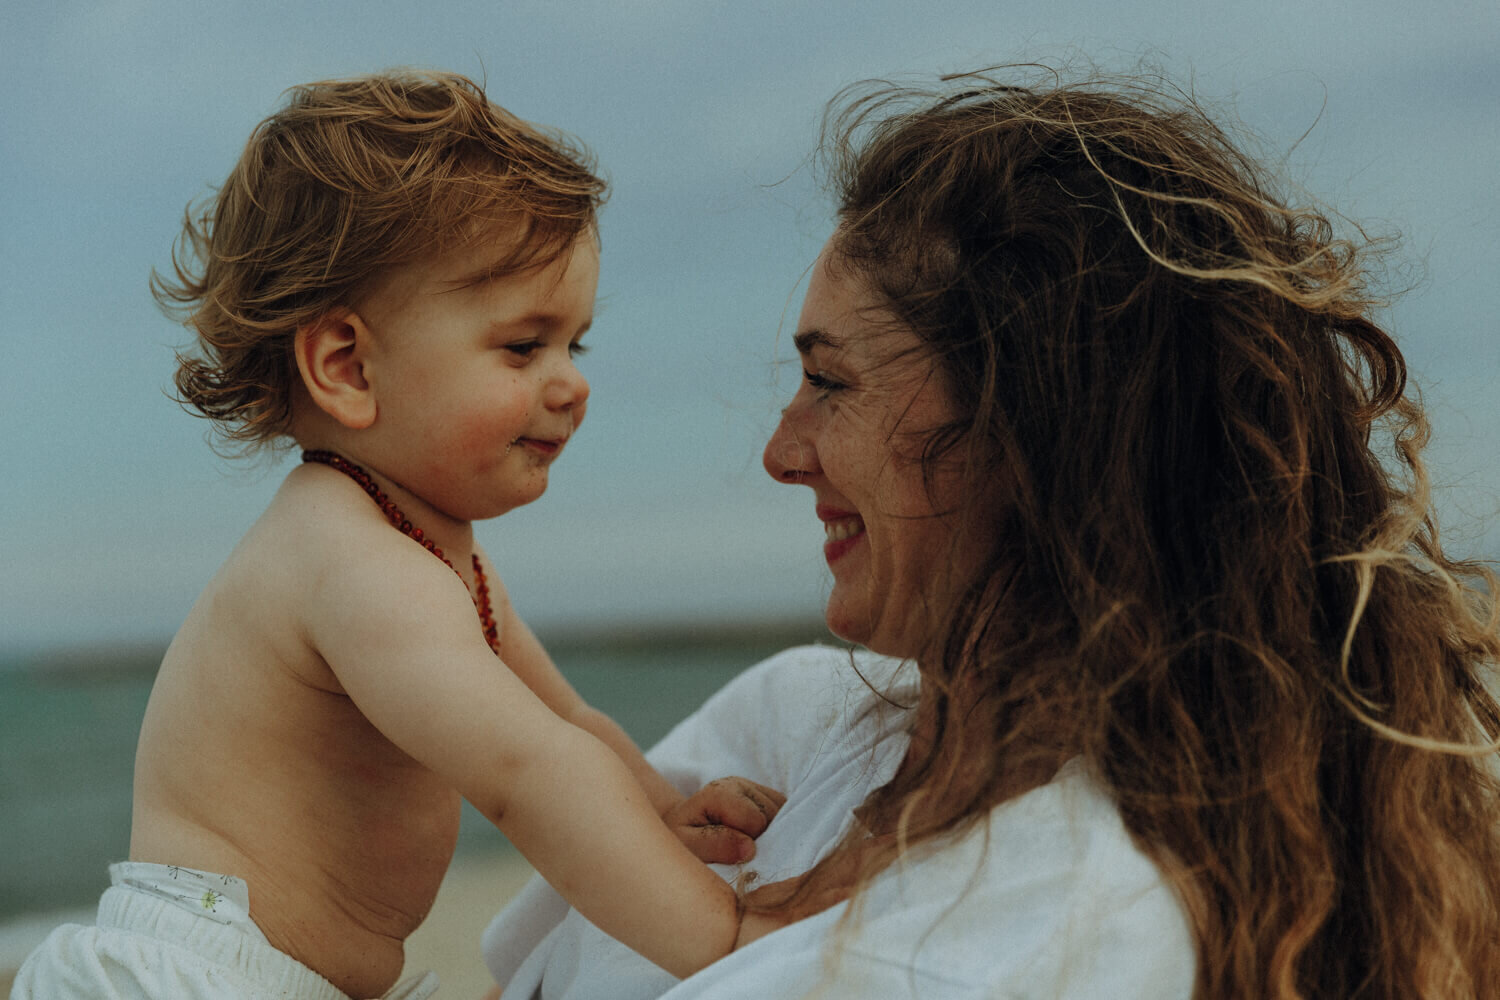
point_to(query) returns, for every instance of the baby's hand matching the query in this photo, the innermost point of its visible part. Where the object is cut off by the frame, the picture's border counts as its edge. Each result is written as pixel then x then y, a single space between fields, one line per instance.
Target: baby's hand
pixel 720 821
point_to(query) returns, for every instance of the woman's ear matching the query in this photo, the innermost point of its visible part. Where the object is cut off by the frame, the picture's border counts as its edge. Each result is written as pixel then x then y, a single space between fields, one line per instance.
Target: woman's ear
pixel 331 353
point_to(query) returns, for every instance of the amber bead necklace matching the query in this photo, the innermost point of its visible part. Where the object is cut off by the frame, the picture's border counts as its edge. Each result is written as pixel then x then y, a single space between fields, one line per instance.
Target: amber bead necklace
pixel 481 595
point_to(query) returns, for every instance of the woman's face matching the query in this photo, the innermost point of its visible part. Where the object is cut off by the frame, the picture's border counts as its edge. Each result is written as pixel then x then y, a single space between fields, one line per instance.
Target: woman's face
pixel 869 398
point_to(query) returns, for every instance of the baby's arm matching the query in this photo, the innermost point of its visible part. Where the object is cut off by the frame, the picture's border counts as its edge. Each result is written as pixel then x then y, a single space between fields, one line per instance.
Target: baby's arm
pixel 529 661
pixel 401 637
pixel 718 822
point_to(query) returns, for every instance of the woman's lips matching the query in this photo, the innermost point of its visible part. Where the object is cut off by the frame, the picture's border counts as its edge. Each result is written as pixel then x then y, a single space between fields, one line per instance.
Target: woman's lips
pixel 843 531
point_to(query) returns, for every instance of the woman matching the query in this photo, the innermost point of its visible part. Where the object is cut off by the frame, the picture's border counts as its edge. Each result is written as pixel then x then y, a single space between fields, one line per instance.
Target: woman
pixel 1109 446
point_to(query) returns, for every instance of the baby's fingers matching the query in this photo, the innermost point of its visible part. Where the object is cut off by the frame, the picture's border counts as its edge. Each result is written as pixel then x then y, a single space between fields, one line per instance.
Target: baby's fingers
pixel 741 803
pixel 717 845
pixel 719 821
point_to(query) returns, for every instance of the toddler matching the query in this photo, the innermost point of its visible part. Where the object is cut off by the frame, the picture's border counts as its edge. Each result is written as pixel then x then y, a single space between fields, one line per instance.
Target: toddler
pixel 396 277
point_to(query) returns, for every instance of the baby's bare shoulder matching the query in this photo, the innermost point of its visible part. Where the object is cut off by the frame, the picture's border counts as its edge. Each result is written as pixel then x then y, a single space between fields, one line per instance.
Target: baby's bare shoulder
pixel 318 514
pixel 251 621
pixel 314 539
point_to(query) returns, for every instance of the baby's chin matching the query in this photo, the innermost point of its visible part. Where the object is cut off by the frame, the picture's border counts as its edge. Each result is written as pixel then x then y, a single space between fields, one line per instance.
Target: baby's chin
pixel 516 499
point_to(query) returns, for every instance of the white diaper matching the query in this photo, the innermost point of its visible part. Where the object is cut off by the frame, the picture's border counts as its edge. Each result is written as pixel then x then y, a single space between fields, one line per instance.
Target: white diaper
pixel 224 899
pixel 165 932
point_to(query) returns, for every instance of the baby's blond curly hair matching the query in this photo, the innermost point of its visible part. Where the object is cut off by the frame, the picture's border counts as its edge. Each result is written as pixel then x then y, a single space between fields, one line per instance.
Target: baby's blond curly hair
pixel 346 181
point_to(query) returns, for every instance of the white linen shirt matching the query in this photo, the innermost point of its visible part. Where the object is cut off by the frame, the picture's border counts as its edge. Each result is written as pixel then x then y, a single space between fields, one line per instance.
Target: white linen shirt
pixel 1047 898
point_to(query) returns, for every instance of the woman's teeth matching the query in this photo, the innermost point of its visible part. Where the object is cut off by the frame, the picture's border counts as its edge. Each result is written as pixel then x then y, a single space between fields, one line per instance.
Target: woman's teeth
pixel 837 531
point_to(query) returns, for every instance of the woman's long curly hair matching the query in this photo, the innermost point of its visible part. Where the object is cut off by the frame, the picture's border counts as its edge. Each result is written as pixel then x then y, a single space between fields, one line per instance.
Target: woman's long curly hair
pixel 350 179
pixel 1217 578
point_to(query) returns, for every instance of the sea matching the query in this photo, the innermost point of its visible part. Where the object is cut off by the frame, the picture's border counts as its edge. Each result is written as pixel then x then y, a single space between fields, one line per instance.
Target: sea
pixel 69 721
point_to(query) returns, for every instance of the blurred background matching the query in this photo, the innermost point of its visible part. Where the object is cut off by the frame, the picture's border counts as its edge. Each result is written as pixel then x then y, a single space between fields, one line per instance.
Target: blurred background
pixel 661 544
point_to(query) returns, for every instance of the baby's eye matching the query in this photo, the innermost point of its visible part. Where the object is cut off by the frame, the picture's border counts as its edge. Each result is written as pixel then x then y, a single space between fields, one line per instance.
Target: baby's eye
pixel 576 350
pixel 523 348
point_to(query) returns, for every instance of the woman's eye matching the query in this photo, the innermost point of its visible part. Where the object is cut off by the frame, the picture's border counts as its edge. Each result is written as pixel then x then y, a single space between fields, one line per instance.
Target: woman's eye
pixel 821 382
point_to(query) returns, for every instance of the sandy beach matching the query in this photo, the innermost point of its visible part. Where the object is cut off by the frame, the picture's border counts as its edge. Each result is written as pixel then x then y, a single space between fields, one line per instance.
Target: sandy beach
pixel 477 885
pixel 476 888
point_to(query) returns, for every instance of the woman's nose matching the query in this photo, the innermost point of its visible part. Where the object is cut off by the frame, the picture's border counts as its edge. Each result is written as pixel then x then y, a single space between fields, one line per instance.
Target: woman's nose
pixel 788 458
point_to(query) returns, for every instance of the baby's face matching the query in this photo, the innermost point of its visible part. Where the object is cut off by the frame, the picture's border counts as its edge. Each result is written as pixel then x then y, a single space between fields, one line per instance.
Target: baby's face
pixel 475 384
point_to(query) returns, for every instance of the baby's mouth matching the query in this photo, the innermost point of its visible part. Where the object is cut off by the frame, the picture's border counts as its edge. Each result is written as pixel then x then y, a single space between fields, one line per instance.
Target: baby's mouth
pixel 541 446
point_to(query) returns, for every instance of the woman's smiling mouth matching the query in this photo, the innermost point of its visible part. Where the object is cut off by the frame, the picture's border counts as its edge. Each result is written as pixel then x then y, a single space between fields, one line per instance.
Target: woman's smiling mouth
pixel 842 530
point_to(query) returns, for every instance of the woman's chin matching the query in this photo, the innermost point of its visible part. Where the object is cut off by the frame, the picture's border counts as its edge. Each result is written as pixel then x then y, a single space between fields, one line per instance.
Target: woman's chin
pixel 842 624
pixel 855 625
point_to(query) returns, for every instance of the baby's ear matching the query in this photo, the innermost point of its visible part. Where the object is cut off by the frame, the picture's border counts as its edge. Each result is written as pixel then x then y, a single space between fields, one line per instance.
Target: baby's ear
pixel 330 354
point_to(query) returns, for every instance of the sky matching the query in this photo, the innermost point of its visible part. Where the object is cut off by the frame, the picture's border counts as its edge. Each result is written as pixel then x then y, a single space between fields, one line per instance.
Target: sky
pixel 703 115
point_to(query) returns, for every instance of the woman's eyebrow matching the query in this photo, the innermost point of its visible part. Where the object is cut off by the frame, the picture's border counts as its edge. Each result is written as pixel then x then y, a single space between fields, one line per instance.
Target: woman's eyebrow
pixel 808 339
